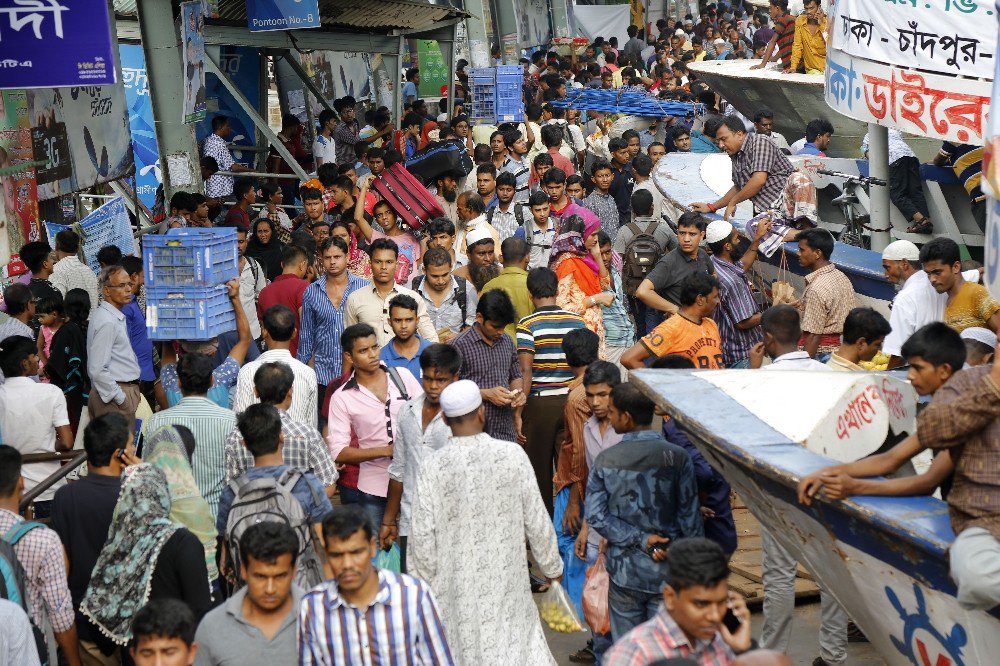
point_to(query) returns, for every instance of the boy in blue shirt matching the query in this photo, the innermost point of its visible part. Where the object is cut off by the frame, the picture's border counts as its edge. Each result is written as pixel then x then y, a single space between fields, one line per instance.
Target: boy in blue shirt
pixel 404 350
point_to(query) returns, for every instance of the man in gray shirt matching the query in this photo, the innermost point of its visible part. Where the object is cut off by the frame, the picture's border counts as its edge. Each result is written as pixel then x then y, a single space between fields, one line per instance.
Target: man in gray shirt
pixel 111 363
pixel 258 624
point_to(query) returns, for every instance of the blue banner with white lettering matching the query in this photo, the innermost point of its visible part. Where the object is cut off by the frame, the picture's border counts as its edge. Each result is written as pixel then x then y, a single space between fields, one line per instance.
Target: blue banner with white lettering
pixel 140 114
pixel 263 15
pixel 56 43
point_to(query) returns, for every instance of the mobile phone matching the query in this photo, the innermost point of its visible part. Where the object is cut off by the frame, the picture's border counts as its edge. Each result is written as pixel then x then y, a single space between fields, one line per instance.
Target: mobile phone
pixel 732 622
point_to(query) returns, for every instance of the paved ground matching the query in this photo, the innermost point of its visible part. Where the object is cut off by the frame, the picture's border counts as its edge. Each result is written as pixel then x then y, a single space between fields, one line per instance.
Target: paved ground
pixel 803 648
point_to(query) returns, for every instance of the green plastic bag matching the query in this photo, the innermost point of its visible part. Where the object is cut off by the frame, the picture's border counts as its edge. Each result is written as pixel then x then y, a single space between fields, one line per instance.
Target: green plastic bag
pixel 388 559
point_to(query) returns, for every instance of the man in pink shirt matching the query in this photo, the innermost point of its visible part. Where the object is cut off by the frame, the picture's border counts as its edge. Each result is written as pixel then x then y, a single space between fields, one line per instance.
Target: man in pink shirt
pixel 552 137
pixel 362 420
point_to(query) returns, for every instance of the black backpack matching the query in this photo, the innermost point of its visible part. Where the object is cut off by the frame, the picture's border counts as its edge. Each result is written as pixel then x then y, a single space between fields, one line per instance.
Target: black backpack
pixel 641 254
pixel 460 296
pixel 14 581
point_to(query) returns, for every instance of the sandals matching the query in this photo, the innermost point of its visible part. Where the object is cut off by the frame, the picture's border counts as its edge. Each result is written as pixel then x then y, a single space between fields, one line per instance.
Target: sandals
pixel 925 226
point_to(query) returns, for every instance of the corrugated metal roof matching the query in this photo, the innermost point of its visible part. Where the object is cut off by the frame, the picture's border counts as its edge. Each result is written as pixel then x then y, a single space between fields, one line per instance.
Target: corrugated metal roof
pixel 378 16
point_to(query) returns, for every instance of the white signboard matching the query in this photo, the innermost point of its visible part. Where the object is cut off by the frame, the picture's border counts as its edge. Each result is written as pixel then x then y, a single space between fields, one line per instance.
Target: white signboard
pixel 932 105
pixel 956 37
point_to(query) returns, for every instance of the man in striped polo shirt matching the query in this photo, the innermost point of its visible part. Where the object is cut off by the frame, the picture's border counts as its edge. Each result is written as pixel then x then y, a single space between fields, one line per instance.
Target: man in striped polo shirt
pixel 779 48
pixel 545 374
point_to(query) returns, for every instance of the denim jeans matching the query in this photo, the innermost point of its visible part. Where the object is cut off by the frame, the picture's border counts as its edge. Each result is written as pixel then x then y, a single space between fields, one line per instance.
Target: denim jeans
pixel 630 608
pixel 373 504
pixel 741 364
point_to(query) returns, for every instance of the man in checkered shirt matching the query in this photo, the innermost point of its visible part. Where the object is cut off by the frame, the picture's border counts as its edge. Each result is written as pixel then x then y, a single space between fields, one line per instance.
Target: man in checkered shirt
pixel 689 623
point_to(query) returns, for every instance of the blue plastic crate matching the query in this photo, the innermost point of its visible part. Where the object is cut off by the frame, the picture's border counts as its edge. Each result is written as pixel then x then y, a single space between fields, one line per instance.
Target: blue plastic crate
pixel 188 313
pixel 190 258
pixel 510 70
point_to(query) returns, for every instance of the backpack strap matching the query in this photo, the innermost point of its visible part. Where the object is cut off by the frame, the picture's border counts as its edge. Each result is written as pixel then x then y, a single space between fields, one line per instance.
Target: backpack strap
pixel 519 214
pixel 634 228
pixel 17 531
pixel 417 281
pixel 489 214
pixel 398 381
pixel 462 297
pixel 289 478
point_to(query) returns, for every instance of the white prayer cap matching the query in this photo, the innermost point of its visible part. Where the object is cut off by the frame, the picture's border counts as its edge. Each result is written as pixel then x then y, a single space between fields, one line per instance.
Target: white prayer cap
pixel 460 398
pixel 680 32
pixel 719 42
pixel 980 334
pixel 718 230
pixel 901 249
pixel 481 232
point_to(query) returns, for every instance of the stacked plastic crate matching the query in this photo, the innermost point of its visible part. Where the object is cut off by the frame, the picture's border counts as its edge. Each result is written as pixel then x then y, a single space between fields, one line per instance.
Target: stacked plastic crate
pixel 496 94
pixel 186 272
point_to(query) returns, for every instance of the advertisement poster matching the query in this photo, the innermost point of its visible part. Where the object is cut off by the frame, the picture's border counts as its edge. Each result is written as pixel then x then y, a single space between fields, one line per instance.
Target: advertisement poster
pixel 19 208
pixel 954 38
pixel 532 23
pixel 339 73
pixel 433 70
pixel 48 43
pixel 107 225
pixel 82 134
pixel 140 113
pixel 264 15
pixel 242 65
pixel 193 57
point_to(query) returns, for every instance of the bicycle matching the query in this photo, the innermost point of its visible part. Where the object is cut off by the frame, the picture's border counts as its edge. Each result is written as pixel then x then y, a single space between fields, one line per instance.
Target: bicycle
pixel 856 225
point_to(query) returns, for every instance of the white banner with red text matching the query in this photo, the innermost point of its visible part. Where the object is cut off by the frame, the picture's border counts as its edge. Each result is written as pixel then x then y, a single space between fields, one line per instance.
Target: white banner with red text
pixel 931 105
pixel 955 37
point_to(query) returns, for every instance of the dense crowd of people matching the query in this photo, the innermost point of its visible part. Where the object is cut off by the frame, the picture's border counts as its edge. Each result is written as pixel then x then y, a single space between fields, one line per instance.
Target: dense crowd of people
pixel 351 474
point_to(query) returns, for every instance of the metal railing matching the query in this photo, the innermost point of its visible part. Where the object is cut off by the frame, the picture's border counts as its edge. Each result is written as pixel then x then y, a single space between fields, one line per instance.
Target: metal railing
pixel 257 174
pixel 75 458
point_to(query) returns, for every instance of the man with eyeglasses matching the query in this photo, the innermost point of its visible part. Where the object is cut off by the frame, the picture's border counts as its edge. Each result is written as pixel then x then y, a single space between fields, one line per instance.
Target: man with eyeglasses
pixel 111 363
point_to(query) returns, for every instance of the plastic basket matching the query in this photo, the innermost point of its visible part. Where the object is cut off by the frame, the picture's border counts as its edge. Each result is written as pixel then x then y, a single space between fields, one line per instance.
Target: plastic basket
pixel 191 258
pixel 508 99
pixel 188 313
pixel 510 70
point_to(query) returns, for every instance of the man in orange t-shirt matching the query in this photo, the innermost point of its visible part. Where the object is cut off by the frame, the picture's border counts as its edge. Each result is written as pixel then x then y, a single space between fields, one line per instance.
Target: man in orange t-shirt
pixel 690 333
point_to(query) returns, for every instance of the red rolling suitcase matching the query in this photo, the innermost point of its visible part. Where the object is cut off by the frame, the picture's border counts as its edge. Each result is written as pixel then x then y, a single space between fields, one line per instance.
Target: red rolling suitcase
pixel 408 197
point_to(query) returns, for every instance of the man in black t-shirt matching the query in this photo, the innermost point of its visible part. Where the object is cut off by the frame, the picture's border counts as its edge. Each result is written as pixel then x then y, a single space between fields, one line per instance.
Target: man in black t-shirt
pixel 82 510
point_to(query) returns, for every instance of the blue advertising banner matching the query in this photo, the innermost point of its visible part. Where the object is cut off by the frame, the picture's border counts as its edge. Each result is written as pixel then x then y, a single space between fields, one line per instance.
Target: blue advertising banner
pixel 107 225
pixel 140 113
pixel 242 65
pixel 54 43
pixel 263 15
pixel 193 59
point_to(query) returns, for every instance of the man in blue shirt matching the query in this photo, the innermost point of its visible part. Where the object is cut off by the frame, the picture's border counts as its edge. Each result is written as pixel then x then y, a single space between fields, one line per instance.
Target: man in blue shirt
pixel 403 351
pixel 410 89
pixel 138 336
pixel 641 495
pixel 818 135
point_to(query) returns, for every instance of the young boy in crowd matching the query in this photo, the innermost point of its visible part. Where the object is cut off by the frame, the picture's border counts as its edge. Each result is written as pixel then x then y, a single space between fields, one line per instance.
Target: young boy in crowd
pixel 404 350
pixel 934 353
pixel 864 333
pixel 539 232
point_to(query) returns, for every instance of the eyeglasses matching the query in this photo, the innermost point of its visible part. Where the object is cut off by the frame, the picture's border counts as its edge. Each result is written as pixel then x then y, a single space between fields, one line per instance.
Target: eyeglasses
pixel 123 285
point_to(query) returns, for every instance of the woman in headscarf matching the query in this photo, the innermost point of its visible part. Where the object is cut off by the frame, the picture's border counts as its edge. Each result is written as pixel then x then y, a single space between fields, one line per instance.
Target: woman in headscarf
pixel 358 262
pixel 273 196
pixel 170 449
pixel 146 556
pixel 584 281
pixel 265 247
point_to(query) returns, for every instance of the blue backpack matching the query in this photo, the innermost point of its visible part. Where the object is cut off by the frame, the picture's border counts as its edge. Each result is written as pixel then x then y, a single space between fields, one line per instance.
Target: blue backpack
pixel 13 581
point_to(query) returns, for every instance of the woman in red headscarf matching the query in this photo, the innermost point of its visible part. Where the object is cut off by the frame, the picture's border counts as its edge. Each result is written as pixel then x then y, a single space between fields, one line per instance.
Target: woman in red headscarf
pixel 584 282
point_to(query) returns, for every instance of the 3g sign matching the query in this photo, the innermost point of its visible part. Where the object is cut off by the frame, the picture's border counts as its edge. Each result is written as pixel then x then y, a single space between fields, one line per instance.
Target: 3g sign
pixel 51 144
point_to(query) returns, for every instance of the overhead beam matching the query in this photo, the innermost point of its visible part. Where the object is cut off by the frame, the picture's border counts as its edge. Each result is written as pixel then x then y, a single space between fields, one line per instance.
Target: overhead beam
pixel 317 39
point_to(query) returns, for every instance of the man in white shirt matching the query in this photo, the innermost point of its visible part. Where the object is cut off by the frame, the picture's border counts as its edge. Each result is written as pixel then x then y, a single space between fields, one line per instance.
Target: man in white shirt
pixel 916 303
pixel 324 147
pixel 33 417
pixel 252 282
pixel 782 331
pixel 71 273
pixel 279 327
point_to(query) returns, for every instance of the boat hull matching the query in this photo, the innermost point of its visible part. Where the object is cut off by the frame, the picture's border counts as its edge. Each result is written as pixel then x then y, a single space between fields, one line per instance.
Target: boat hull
pixel 884 559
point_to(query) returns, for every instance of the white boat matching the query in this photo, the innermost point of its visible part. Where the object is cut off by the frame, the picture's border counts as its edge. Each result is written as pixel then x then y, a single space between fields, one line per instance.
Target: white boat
pixel 795 99
pixel 883 558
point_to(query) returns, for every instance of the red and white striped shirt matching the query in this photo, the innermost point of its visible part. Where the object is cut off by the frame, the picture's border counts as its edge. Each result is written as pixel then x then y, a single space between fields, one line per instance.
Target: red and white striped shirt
pixel 661 638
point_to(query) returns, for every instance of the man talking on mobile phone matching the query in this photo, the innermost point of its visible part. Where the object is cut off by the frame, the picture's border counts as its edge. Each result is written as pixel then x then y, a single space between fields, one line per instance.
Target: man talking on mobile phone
pixel 641 496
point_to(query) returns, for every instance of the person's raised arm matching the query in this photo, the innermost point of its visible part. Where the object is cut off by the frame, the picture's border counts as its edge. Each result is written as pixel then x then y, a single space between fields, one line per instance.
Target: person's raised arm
pixel 750 256
pixel 239 351
pixel 359 210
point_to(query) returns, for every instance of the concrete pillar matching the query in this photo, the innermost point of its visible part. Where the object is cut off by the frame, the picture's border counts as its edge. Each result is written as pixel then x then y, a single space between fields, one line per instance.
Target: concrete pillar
pixel 560 18
pixel 479 43
pixel 161 47
pixel 878 167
